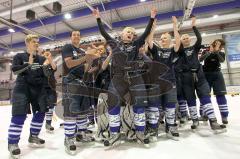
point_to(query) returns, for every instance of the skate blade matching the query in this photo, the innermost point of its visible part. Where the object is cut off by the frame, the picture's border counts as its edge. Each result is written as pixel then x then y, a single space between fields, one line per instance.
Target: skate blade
pixel 220 131
pixel 194 130
pixel 34 145
pixel 182 125
pixel 144 145
pixel 169 136
pixel 91 126
pixel 50 132
pixel 153 138
pixel 72 153
pixel 116 144
pixel 14 156
pixel 85 143
pixel 99 139
pixel 204 123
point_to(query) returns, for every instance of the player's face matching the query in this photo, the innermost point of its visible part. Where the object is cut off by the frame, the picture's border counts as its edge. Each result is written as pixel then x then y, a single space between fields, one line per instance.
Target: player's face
pixel 75 37
pixel 46 54
pixel 165 40
pixel 217 45
pixel 185 39
pixel 33 44
pixel 101 50
pixel 127 35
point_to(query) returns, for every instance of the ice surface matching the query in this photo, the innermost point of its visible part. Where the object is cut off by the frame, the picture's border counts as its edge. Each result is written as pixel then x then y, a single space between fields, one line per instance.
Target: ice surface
pixel 199 145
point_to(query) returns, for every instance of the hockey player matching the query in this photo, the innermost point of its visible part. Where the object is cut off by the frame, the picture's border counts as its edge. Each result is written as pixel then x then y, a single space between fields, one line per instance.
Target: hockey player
pixel 193 78
pixel 214 76
pixel 28 67
pixel 126 50
pixel 50 86
pixel 168 56
pixel 75 106
pixel 93 71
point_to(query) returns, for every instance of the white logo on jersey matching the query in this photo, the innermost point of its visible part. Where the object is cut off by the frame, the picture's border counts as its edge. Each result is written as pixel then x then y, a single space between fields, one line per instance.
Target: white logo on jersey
pixel 189 52
pixel 75 54
pixel 160 53
pixel 166 55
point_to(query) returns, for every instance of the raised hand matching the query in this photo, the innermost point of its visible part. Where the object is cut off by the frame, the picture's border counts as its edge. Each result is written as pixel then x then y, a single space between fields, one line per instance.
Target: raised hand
pixel 30 61
pixel 153 12
pixel 48 56
pixel 96 13
pixel 193 21
pixel 154 24
pixel 174 20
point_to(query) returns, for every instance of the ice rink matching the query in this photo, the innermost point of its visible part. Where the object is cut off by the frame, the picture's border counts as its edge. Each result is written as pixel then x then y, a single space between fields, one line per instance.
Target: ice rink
pixel 202 144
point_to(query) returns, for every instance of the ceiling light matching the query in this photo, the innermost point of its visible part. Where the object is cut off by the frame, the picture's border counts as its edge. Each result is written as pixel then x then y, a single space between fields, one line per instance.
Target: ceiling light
pixel 204 34
pixel 67 16
pixel 142 0
pixel 11 30
pixel 215 16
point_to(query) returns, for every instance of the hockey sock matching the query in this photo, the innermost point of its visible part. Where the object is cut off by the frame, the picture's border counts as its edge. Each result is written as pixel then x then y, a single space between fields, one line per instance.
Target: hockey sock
pixel 37 122
pixel 207 107
pixel 222 104
pixel 114 119
pixel 15 128
pixel 192 106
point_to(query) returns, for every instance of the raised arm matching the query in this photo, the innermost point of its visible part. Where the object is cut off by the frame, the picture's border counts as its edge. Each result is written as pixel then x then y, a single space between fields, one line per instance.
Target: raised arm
pixel 204 56
pixel 100 25
pixel 50 61
pixel 107 60
pixel 18 66
pixel 147 31
pixel 67 57
pixel 197 34
pixel 220 56
pixel 176 34
pixel 150 37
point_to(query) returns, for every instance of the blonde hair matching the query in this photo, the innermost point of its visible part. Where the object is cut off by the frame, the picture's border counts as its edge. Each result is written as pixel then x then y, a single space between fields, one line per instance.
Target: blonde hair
pixel 167 34
pixel 184 35
pixel 129 28
pixel 29 37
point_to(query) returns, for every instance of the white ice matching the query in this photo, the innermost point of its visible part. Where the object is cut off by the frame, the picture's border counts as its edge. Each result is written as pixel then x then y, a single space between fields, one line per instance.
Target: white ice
pixel 199 145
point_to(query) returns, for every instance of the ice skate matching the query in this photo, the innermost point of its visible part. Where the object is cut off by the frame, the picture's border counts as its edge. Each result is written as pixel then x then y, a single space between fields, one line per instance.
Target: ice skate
pixel 83 138
pixel 35 141
pixel 70 146
pixel 49 128
pixel 195 124
pixel 14 150
pixel 172 132
pixel 183 121
pixel 142 139
pixel 114 140
pixel 203 119
pixel 217 128
pixel 225 120
pixel 152 134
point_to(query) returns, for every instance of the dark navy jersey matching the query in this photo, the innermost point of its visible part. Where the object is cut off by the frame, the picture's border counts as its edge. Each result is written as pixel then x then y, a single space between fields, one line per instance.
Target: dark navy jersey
pixel 144 58
pixel 165 56
pixel 212 61
pixel 189 56
pixel 33 74
pixel 90 77
pixel 50 80
pixel 103 77
pixel 124 52
pixel 70 50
